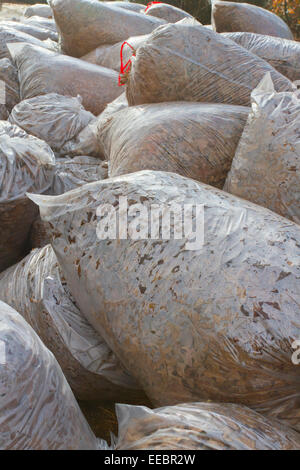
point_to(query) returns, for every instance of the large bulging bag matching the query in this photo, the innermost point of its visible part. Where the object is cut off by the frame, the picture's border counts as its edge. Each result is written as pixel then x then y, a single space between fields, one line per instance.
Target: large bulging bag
pixel 36 288
pixel 266 166
pixel 87 142
pixel 10 89
pixel 110 55
pixel 11 35
pixel 38 10
pixel 188 62
pixel 42 71
pixel 197 140
pixel 242 17
pixel 167 12
pixel 26 164
pixel 200 426
pixel 38 32
pixel 38 410
pixel 213 320
pixel 52 117
pixel 86 24
pixel 39 21
pixel 282 54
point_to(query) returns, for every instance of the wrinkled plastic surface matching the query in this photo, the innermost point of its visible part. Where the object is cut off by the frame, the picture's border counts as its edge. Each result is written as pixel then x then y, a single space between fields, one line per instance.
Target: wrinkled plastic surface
pixel 9 75
pixel 39 9
pixel 201 426
pixel 87 24
pixel 53 118
pixel 42 72
pixel 38 410
pixel 87 142
pixel 188 62
pixel 109 55
pixel 282 54
pixel 75 172
pixel 137 7
pixel 41 22
pixel 26 164
pixel 197 140
pixel 266 166
pixel 167 12
pixel 214 323
pixel 231 16
pixel 36 289
pixel 38 32
pixel 10 35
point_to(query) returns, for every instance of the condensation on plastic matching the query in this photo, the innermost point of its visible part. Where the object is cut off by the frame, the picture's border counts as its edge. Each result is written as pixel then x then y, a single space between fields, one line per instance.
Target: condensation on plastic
pixel 242 17
pixel 35 288
pixel 266 166
pixel 26 164
pixel 9 75
pixel 201 426
pixel 39 32
pixel 53 118
pixel 188 62
pixel 282 54
pixel 38 10
pixel 42 71
pixel 197 140
pixel 38 410
pixel 86 24
pixel 77 171
pixel 167 12
pixel 10 35
pixel 217 322
pixel 87 142
pixel 109 55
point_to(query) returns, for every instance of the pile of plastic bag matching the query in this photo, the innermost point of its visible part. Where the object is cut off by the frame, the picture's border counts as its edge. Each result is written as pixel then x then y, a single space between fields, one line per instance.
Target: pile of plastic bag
pixel 149 228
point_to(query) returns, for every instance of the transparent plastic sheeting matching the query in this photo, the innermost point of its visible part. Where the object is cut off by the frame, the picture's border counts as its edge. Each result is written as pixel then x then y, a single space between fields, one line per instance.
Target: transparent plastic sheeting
pixel 197 140
pixel 188 62
pixel 231 16
pixel 201 426
pixel 52 117
pixel 266 166
pixel 42 71
pixel 36 288
pixel 38 32
pixel 282 54
pixel 87 24
pixel 38 410
pixel 192 341
pixel 167 12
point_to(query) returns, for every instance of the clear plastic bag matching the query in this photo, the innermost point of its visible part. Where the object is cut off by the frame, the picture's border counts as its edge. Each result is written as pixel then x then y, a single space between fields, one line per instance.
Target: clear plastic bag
pixel 197 140
pixel 39 32
pixel 87 24
pixel 11 35
pixel 87 142
pixel 39 9
pixel 188 62
pixel 36 288
pixel 9 75
pixel 42 71
pixel 167 12
pixel 38 410
pixel 266 166
pixel 26 164
pixel 53 118
pixel 211 322
pixel 232 16
pixel 201 426
pixel 282 54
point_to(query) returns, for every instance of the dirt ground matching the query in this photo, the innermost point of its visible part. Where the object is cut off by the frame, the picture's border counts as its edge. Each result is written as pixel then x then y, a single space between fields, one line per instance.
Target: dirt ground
pixel 12 10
